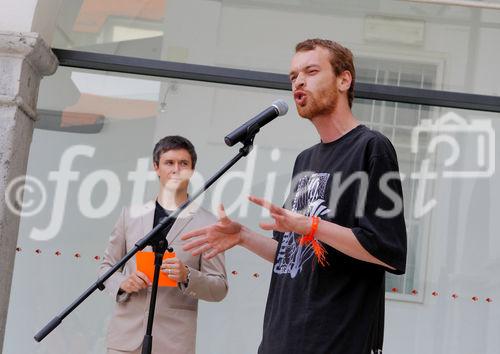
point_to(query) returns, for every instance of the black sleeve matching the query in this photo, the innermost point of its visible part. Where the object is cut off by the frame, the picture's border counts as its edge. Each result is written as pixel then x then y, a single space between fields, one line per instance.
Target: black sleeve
pixel 381 233
pixel 289 199
pixel 277 235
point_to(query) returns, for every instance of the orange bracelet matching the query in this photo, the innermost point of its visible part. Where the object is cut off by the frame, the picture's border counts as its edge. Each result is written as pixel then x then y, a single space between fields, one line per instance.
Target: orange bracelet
pixel 319 250
pixel 307 238
pixel 314 226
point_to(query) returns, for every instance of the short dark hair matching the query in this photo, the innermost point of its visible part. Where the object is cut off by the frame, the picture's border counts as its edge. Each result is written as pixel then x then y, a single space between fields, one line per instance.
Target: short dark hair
pixel 173 142
pixel 341 59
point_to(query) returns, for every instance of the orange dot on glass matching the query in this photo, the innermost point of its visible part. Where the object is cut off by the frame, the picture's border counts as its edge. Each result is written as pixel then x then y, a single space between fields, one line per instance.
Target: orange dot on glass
pixel 454 296
pixel 97 258
pixel 38 251
pixel 77 255
pixel 435 293
pixel 18 249
pixel 488 299
pixel 394 290
pixel 256 275
pixel 234 272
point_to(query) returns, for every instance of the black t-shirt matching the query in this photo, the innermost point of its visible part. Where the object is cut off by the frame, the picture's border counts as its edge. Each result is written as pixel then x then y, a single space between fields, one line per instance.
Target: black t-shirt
pixel 338 308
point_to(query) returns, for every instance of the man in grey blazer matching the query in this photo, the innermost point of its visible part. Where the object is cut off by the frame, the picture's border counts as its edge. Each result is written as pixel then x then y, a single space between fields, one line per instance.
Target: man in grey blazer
pixel 174 329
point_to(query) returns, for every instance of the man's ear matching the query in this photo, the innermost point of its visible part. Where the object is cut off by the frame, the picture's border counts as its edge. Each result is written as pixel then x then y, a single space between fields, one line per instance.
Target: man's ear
pixel 344 81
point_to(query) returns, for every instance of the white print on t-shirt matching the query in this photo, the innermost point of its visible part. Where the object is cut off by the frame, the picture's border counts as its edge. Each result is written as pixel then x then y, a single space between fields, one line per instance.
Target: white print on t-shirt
pixel 309 200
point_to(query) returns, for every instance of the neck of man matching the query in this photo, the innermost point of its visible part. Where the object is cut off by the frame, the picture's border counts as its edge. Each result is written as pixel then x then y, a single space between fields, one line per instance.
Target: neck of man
pixel 171 200
pixel 331 126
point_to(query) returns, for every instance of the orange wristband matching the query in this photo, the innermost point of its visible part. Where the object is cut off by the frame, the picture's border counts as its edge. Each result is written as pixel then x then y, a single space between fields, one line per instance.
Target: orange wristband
pixel 319 250
pixel 314 226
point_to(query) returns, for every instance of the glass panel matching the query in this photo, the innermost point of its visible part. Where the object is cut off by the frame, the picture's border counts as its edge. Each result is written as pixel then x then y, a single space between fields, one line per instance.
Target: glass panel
pixel 454 216
pixel 103 128
pixel 100 128
pixel 434 46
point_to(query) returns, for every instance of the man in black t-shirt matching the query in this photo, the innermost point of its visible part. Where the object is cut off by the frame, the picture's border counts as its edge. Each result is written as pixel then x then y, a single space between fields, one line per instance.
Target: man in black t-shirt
pixel 341 228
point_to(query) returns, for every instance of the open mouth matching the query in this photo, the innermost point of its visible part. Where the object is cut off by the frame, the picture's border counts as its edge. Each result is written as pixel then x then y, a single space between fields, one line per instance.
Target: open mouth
pixel 300 97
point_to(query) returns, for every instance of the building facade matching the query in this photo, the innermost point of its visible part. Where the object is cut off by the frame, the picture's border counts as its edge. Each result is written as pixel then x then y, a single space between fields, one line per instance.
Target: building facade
pixel 131 72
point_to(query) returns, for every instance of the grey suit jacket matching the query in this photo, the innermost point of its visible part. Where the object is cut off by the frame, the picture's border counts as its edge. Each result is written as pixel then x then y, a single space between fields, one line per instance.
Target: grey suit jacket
pixel 174 329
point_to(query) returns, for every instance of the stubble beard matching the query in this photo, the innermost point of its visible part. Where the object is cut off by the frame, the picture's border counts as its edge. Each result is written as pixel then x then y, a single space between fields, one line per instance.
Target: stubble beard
pixel 324 104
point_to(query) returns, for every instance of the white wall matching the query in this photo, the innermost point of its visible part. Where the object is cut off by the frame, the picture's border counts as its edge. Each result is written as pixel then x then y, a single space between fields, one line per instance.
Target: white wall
pixel 38 16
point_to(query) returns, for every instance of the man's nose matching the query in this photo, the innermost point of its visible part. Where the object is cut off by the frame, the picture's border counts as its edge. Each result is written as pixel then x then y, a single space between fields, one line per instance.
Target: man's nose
pixel 299 81
pixel 177 168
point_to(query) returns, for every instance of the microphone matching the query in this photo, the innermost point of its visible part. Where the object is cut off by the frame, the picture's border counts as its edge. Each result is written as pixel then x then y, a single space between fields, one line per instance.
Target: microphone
pixel 251 127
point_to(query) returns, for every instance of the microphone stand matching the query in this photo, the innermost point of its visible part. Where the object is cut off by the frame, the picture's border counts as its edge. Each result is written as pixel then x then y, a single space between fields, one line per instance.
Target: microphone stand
pixel 157 239
pixel 159 245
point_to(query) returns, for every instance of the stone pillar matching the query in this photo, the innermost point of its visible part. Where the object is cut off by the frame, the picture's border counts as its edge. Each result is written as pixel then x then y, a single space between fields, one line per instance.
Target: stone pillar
pixel 24 59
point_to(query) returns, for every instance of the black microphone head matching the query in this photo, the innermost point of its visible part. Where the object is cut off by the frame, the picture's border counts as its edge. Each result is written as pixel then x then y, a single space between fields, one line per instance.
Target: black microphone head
pixel 228 141
pixel 251 127
pixel 281 106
